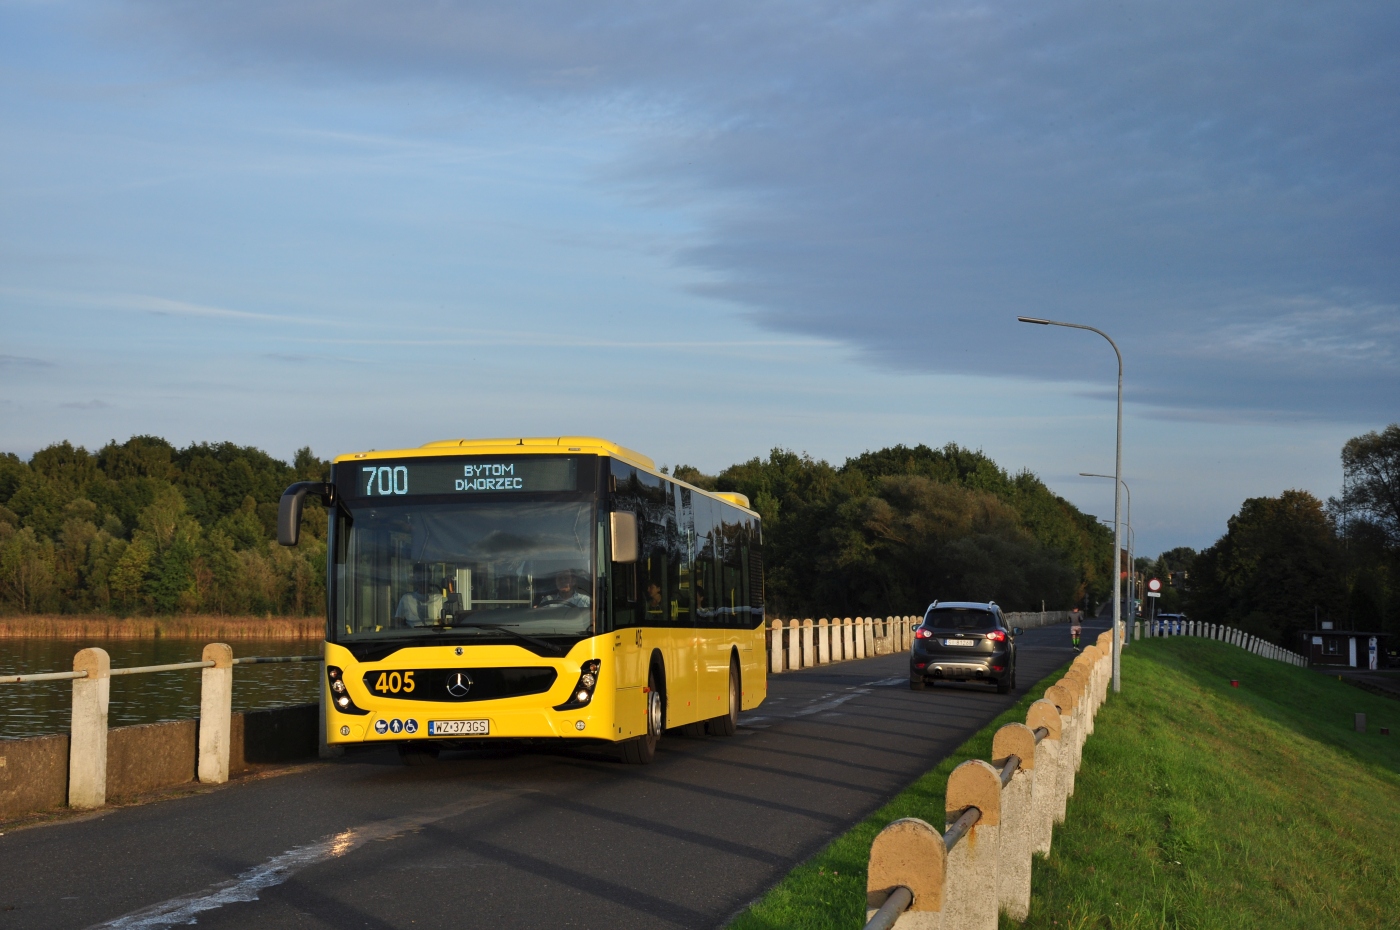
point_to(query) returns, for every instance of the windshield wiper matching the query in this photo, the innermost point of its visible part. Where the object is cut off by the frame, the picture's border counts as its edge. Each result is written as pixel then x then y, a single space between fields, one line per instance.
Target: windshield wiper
pixel 533 641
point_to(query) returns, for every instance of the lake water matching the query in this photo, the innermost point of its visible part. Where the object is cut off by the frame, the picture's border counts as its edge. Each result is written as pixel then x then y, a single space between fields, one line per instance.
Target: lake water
pixel 42 708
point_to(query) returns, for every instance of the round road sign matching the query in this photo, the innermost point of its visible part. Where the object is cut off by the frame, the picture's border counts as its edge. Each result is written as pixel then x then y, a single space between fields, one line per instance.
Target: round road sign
pixel 1154 584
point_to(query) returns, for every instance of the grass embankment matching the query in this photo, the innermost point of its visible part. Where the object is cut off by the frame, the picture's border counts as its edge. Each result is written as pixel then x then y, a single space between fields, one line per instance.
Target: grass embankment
pixel 1198 805
pixel 49 626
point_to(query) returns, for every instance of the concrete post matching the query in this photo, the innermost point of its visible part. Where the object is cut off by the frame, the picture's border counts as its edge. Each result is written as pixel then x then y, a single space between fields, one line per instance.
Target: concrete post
pixel 1014 854
pixel 1048 792
pixel 215 714
pixel 909 852
pixel 971 895
pixel 869 627
pixel 794 644
pixel 1061 696
pixel 848 639
pixel 809 655
pixel 776 652
pixel 1137 629
pixel 823 642
pixel 87 741
pixel 858 636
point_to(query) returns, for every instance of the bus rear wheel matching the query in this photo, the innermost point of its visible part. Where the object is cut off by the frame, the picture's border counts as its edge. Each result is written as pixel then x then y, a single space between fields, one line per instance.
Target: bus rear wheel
pixel 728 724
pixel 641 750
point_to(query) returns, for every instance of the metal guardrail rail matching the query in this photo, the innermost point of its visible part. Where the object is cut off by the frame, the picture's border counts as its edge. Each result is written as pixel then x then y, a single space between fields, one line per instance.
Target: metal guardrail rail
pixel 147 669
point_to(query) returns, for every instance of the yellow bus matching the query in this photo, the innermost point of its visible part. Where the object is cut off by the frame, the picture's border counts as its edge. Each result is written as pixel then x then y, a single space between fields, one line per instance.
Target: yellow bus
pixel 533 589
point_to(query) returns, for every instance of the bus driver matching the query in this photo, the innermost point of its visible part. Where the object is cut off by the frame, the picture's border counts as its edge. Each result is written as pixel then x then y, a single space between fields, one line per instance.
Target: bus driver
pixel 566 592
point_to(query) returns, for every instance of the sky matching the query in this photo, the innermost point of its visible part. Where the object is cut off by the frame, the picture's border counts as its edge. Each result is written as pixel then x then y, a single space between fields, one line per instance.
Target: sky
pixel 709 230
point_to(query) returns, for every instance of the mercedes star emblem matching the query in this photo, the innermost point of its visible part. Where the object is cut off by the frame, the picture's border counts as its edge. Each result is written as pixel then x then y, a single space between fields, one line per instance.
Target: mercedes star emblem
pixel 458 684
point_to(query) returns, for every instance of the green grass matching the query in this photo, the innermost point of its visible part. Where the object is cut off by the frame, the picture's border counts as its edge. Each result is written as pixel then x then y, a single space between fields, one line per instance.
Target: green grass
pixel 1198 805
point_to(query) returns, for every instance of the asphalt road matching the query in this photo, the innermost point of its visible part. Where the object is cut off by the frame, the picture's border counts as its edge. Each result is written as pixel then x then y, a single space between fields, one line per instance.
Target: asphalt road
pixel 519 839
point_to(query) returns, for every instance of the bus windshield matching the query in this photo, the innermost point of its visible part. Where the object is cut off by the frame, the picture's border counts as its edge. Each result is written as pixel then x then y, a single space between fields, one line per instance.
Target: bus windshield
pixel 416 570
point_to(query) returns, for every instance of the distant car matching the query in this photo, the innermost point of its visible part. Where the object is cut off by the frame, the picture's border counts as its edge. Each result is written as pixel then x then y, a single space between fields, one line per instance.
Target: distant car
pixel 1170 624
pixel 964 641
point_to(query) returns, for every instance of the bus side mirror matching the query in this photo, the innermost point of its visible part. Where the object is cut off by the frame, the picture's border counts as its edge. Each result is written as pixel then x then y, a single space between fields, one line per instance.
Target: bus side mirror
pixel 289 508
pixel 624 536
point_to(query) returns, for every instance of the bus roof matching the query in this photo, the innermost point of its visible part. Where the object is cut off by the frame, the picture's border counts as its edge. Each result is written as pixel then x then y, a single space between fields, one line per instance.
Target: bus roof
pixel 528 445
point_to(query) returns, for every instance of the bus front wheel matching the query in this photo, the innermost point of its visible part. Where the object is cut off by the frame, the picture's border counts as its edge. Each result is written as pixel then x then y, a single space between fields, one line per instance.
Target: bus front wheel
pixel 641 750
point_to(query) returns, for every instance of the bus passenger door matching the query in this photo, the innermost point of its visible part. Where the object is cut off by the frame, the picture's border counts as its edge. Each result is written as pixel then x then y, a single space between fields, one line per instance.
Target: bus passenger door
pixel 629 649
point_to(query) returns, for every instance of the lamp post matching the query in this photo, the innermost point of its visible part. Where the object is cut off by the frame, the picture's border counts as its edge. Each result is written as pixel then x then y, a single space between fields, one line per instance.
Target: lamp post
pixel 1117 495
pixel 1132 544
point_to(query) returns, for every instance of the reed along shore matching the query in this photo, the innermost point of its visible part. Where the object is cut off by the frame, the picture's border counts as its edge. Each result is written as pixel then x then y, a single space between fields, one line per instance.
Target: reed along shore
pixel 193 626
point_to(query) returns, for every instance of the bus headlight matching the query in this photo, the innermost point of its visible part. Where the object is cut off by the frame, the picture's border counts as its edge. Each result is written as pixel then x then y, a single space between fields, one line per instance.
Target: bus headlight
pixel 340 696
pixel 582 693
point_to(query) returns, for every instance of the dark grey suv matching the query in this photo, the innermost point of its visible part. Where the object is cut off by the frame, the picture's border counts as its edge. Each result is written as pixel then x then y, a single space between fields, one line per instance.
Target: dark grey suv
pixel 964 641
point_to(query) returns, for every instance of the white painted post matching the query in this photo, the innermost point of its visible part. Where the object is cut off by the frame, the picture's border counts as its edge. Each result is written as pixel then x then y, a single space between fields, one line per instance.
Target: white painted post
pixel 970 895
pixel 215 714
pixel 1014 859
pixel 809 656
pixel 848 639
pixel 824 641
pixel 870 637
pixel 794 645
pixel 87 740
pixel 1047 795
pixel 776 653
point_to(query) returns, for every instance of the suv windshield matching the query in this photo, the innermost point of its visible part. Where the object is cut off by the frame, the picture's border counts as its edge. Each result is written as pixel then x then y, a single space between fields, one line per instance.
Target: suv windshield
pixel 419 569
pixel 960 618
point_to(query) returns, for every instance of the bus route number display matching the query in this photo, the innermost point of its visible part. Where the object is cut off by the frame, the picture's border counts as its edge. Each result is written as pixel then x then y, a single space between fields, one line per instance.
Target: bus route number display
pixel 467 476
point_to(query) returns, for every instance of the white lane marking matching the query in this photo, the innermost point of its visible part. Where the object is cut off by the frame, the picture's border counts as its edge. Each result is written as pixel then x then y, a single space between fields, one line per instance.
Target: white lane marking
pixel 245 887
pixel 828 705
pixel 888 682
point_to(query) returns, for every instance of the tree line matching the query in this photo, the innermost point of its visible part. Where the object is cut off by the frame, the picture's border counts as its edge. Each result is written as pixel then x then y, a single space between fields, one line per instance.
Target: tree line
pixel 142 527
pixel 889 531
pixel 1287 563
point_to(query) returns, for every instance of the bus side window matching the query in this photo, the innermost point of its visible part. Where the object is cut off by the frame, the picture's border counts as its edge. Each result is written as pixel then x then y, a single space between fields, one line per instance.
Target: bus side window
pixel 681 568
pixel 735 608
pixel 626 604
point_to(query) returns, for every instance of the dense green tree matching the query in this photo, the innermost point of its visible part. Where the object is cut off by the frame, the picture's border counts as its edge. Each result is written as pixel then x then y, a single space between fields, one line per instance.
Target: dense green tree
pixel 1274 570
pixel 891 530
pixel 1371 480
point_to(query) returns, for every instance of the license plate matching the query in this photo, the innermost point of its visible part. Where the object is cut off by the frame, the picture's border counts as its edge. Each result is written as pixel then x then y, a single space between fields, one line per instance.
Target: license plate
pixel 459 727
pixel 957 642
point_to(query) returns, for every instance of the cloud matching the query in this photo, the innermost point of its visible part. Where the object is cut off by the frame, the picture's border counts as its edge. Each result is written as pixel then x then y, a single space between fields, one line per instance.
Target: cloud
pixel 87 405
pixel 1202 180
pixel 23 361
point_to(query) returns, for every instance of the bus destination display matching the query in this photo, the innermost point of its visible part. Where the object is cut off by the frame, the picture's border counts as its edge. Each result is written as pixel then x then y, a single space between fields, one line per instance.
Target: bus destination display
pixel 461 476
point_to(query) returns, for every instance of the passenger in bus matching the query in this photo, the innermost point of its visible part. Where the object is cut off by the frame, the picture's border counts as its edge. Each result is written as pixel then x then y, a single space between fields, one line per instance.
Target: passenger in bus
pixel 654 607
pixel 566 592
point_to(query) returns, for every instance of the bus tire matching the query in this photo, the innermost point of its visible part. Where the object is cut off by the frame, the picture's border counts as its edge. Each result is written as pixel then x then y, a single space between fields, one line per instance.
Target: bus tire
pixel 418 753
pixel 641 750
pixel 728 724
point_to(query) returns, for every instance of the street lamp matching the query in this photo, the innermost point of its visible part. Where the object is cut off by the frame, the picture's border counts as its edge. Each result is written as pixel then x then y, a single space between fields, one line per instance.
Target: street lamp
pixel 1132 547
pixel 1117 494
pixel 1132 543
